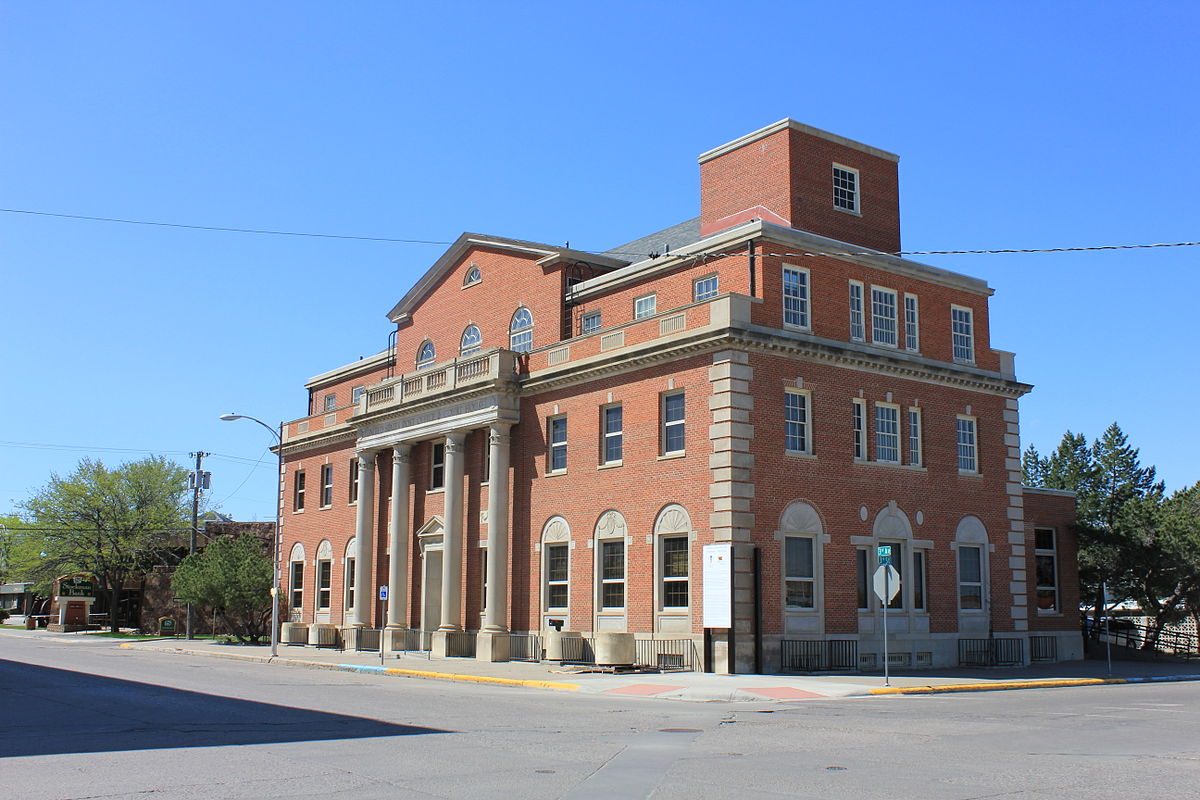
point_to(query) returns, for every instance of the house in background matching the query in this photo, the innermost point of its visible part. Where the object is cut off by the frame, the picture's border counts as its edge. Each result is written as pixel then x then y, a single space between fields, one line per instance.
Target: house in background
pixel 556 435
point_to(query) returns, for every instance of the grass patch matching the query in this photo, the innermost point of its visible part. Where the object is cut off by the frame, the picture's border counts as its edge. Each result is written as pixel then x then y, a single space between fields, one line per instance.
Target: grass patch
pixel 124 635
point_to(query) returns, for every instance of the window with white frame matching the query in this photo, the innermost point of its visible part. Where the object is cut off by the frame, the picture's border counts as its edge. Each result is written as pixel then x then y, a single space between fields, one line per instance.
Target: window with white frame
pixel 857 329
pixel 354 479
pixel 556 436
pixel 962 329
pixel 520 331
pixel 704 288
pixel 349 583
pixel 472 277
pixel 557 574
pixel 486 457
pixel 883 316
pixel 426 355
pixel 471 341
pixel 612 574
pixel 612 425
pixel 330 402
pixel 356 394
pixel 845 188
pixel 799 572
pixel 297 584
pixel 298 491
pixel 912 321
pixel 914 436
pixel 673 413
pixel 324 584
pixel 968 460
pixel 795 421
pixel 437 465
pixel 326 485
pixel 590 323
pixel 887 433
pixel 862 578
pixel 970 577
pixel 675 571
pixel 859 426
pixel 645 306
pixel 1045 556
pixel 483 578
pixel 795 297
pixel 918 580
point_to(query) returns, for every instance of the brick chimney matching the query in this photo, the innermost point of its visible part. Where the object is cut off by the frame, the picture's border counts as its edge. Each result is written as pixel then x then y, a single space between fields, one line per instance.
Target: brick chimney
pixel 800 177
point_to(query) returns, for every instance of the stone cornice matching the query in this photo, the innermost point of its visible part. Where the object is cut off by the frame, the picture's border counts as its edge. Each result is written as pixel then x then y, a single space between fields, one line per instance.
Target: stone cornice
pixel 303 442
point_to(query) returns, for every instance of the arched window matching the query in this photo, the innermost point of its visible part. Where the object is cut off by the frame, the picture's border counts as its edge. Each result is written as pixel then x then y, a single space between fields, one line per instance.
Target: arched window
pixel 803 538
pixel 348 581
pixel 673 561
pixel 324 575
pixel 425 355
pixel 473 276
pixel 971 544
pixel 471 341
pixel 556 565
pixel 520 332
pixel 296 562
pixel 611 533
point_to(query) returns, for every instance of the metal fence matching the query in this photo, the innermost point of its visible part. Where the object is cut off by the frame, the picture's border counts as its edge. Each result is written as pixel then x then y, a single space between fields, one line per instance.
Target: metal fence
pixel 577 650
pixel 991 652
pixel 666 654
pixel 1043 648
pixel 826 655
pixel 525 647
pixel 367 639
pixel 460 644
pixel 411 640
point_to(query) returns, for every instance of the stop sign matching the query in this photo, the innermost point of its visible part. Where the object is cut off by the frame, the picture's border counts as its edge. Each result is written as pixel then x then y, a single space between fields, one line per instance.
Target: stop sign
pixel 886 582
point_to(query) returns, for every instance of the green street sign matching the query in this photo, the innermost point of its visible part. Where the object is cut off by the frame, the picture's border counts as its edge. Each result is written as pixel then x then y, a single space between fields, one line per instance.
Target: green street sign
pixel 885 554
pixel 76 586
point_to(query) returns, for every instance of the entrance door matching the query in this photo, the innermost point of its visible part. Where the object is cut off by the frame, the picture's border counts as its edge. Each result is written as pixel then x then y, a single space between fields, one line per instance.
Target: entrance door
pixel 431 591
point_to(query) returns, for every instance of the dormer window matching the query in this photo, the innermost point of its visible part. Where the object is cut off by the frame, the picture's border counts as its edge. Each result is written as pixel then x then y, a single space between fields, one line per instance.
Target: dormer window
pixel 426 355
pixel 845 189
pixel 473 276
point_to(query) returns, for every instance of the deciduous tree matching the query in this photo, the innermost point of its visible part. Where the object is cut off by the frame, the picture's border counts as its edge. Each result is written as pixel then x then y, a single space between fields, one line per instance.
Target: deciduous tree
pixel 233 577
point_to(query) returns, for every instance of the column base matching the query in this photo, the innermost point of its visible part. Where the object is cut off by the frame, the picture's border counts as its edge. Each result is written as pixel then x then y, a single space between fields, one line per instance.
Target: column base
pixel 440 645
pixel 350 637
pixel 491 646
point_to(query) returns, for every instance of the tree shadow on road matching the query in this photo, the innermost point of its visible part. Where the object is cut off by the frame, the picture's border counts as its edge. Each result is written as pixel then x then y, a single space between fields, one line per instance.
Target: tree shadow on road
pixel 49 711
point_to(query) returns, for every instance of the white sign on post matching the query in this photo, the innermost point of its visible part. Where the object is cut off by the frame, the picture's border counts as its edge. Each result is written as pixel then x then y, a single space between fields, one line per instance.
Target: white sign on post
pixel 718 586
pixel 886 582
pixel 383 590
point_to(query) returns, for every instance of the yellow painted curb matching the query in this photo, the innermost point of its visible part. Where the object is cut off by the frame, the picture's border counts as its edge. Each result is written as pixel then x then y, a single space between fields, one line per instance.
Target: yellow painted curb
pixel 989 687
pixel 417 673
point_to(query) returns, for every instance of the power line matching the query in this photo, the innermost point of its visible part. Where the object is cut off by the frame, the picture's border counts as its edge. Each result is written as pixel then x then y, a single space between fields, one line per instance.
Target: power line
pixel 87 449
pixel 268 232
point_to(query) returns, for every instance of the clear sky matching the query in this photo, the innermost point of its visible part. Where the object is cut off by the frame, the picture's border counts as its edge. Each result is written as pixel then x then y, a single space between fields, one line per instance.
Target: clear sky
pixel 1019 125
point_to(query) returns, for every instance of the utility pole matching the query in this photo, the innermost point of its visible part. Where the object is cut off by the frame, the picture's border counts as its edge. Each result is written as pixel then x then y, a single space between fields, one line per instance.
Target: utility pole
pixel 199 480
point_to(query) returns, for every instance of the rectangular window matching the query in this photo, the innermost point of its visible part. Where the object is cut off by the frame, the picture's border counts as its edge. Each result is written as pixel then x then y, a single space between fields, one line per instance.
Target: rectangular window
pixel 612 574
pixel 967 460
pixel 1046 563
pixel 645 306
pixel 795 297
pixel 857 331
pixel 672 423
pixel 799 578
pixel 675 571
pixel 326 485
pixel 883 316
pixel 297 584
pixel 486 477
pixel 349 583
pixel 330 402
pixel 613 427
pixel 845 188
pixel 356 394
pixel 590 323
pixel 962 328
pixel 298 492
pixel 863 574
pixel 898 563
pixel 970 578
pixel 887 433
pixel 859 408
pixel 914 437
pixel 704 288
pixel 437 465
pixel 483 579
pixel 912 331
pixel 556 575
pixel 353 480
pixel 918 580
pixel 324 582
pixel 795 435
pixel 557 437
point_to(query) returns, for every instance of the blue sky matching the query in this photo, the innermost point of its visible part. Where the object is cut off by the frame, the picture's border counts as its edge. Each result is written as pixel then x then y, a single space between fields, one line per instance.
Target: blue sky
pixel 1019 125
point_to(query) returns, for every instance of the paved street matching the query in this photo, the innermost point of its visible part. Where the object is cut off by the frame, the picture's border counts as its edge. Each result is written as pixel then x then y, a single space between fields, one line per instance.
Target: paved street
pixel 89 719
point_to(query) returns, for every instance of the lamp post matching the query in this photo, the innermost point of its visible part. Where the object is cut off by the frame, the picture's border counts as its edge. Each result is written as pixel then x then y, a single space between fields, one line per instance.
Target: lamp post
pixel 278 434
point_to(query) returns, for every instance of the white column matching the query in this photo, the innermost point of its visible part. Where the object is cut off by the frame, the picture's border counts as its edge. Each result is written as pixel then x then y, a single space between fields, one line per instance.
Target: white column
pixel 364 541
pixel 496 614
pixel 452 534
pixel 397 608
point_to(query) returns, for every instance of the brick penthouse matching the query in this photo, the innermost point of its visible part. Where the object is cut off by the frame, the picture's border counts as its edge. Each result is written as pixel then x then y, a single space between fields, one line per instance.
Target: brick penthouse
pixel 558 435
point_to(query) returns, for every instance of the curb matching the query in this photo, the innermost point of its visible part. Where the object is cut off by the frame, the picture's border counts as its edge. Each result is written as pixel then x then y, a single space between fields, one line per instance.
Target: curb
pixel 1042 684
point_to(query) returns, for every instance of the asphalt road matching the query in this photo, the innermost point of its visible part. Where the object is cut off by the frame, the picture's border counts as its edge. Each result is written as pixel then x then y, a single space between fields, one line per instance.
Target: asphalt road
pixel 88 719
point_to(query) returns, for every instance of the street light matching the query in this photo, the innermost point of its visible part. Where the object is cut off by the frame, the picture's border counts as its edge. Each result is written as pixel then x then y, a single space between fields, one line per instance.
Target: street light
pixel 278 434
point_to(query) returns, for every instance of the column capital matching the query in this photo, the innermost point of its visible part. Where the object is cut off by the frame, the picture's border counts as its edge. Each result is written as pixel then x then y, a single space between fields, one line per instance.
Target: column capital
pixel 455 440
pixel 498 433
pixel 366 459
pixel 401 453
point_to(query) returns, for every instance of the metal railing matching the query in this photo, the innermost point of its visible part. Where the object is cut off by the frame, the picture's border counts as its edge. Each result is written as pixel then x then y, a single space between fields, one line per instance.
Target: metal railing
pixel 412 640
pixel 991 652
pixel 367 640
pixel 524 647
pixel 825 655
pixel 677 655
pixel 1127 633
pixel 460 644
pixel 1043 648
pixel 577 650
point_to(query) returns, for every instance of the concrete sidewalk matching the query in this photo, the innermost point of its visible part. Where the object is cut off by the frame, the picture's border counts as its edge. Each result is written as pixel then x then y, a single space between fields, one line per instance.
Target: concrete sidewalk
pixel 690 686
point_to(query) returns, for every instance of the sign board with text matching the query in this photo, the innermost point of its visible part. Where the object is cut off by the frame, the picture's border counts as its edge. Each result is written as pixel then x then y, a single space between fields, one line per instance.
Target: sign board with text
pixel 718 585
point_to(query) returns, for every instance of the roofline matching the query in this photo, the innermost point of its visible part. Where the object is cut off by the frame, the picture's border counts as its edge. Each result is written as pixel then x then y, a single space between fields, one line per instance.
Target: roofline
pixel 787 122
pixel 802 240
pixel 1046 490
pixel 370 362
pixel 547 255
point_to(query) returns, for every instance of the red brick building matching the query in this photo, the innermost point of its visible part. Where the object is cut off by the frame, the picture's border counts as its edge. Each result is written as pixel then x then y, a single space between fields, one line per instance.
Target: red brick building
pixel 557 434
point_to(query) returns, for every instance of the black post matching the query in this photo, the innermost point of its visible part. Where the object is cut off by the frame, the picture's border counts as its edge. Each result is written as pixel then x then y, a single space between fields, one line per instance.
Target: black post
pixel 757 611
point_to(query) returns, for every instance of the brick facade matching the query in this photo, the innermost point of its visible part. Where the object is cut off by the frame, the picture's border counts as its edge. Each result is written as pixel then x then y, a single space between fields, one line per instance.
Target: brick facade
pixel 706 387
